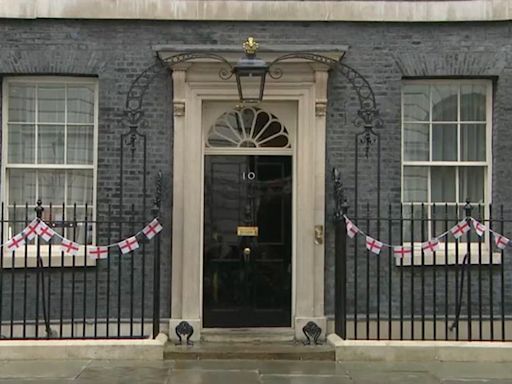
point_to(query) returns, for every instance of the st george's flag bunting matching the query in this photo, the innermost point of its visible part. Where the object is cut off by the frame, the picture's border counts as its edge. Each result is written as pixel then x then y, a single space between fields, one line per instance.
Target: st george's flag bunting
pixel 402 251
pixel 479 227
pixel 352 230
pixel 128 245
pixel 69 247
pixel 31 230
pixel 16 242
pixel 97 252
pixel 152 229
pixel 501 241
pixel 373 245
pixel 461 228
pixel 44 231
pixel 430 246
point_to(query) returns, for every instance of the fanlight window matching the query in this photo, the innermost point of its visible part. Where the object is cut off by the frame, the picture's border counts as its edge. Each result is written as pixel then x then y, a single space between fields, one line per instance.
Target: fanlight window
pixel 249 127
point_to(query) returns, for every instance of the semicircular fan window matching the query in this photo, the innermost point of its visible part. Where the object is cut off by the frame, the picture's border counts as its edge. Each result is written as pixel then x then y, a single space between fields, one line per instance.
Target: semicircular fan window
pixel 249 127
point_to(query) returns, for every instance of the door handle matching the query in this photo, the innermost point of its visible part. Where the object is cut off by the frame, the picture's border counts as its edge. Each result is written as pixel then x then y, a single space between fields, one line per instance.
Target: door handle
pixel 247 253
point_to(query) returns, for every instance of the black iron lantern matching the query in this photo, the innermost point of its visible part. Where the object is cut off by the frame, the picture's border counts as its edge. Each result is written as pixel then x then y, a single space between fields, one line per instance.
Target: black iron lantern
pixel 250 73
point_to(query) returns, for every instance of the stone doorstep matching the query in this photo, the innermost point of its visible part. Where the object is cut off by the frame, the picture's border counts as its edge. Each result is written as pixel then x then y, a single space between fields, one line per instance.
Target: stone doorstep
pixel 249 351
pixel 407 350
pixel 147 349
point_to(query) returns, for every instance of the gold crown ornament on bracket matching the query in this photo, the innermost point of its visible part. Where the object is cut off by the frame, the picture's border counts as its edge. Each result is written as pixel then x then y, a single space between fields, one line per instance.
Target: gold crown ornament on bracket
pixel 250 46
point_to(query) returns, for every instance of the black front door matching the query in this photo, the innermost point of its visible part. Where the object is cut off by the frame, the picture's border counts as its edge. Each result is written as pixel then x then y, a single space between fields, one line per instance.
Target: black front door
pixel 247 241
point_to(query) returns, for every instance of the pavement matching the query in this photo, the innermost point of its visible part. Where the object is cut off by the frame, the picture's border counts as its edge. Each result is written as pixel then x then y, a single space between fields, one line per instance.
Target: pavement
pixel 250 372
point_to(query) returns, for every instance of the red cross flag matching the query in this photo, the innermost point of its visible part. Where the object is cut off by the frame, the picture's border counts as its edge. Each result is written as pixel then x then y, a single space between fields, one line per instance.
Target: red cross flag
pixel 501 241
pixel 461 228
pixel 69 247
pixel 352 230
pixel 44 231
pixel 128 245
pixel 16 242
pixel 479 228
pixel 402 251
pixel 430 246
pixel 152 229
pixel 31 230
pixel 373 245
pixel 97 252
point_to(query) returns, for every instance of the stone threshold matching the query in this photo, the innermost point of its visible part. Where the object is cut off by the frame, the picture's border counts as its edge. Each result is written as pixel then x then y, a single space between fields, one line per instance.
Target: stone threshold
pixel 145 349
pixel 289 350
pixel 407 350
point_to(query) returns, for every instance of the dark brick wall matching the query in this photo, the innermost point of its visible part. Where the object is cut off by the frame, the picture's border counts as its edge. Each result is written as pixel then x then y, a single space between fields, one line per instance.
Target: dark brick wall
pixel 116 51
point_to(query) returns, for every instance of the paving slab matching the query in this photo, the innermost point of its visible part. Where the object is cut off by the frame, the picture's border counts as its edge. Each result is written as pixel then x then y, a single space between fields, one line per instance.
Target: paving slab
pixel 445 371
pixel 36 369
pixel 213 377
pixel 38 381
pixel 123 375
pixel 377 377
pixel 305 379
pixel 477 381
pixel 132 363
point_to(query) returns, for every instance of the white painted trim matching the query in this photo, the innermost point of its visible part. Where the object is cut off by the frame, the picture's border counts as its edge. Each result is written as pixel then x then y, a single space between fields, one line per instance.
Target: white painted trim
pixel 4 195
pixel 240 10
pixel 195 84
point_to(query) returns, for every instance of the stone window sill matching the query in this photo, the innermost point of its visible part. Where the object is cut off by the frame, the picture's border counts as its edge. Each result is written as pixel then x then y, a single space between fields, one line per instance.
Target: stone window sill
pixel 449 257
pixel 18 260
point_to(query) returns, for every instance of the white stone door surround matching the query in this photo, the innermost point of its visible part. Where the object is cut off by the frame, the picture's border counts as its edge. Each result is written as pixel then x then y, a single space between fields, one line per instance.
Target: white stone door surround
pixel 198 82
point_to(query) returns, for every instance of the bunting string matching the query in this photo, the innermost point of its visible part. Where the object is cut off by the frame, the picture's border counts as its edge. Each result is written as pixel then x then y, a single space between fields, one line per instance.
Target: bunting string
pixel 38 227
pixel 428 247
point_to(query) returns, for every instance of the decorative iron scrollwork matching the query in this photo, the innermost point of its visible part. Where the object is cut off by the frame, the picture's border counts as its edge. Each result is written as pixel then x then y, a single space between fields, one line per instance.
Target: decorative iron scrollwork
pixel 340 202
pixel 312 332
pixel 184 329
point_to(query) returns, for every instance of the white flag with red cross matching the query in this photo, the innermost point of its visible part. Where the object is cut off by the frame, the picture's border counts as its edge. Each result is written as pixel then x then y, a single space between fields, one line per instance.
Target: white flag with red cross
pixel 430 246
pixel 373 245
pixel 352 230
pixel 128 245
pixel 69 247
pixel 501 241
pixel 461 228
pixel 44 231
pixel 16 242
pixel 479 227
pixel 402 251
pixel 31 230
pixel 97 252
pixel 152 229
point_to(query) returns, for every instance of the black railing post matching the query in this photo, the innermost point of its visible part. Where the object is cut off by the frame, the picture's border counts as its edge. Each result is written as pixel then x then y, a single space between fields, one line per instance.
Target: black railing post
pixel 467 209
pixel 156 260
pixel 340 255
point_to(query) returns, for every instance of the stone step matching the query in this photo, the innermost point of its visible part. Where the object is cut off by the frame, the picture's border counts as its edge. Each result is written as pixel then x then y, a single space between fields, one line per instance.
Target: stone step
pixel 251 335
pixel 290 350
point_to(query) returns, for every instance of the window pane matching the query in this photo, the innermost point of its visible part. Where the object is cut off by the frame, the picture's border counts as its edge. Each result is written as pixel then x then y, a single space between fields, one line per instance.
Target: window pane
pixel 415 184
pixel 22 186
pixel 472 142
pixel 412 223
pixel 80 187
pixel 416 141
pixel 51 186
pixel 50 100
pixel 443 184
pixel 80 144
pixel 50 144
pixel 472 103
pixel 21 143
pixel 472 181
pixel 444 103
pixel 444 142
pixel 78 233
pixel 416 103
pixel 81 104
pixel 444 217
pixel 22 103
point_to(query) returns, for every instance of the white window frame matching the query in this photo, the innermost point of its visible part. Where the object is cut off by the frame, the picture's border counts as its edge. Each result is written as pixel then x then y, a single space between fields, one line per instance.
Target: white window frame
pixel 440 256
pixel 56 260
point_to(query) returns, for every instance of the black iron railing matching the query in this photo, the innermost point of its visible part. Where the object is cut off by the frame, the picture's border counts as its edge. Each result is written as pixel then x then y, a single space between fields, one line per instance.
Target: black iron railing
pixel 460 292
pixel 45 293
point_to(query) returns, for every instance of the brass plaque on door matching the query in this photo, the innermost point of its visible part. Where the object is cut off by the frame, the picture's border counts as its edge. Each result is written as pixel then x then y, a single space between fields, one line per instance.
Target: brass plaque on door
pixel 247 231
